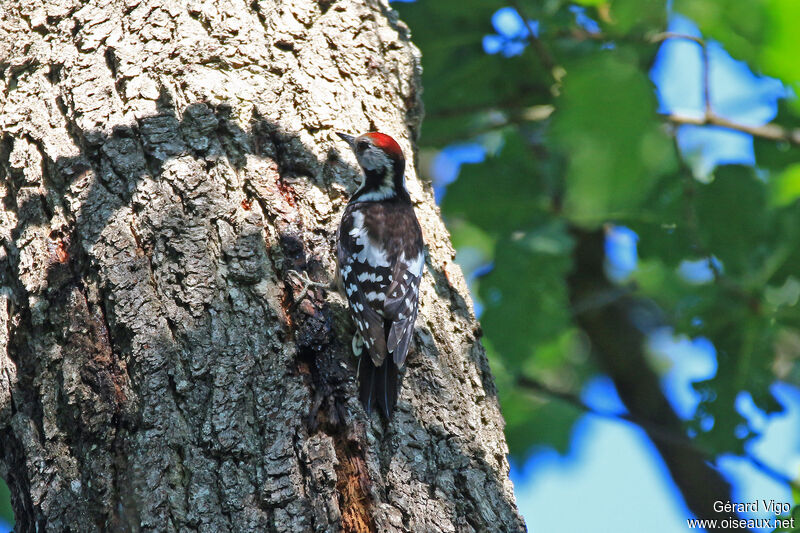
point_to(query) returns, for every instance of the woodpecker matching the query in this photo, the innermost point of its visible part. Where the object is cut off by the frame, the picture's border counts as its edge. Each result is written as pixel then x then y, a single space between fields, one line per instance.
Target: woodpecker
pixel 380 260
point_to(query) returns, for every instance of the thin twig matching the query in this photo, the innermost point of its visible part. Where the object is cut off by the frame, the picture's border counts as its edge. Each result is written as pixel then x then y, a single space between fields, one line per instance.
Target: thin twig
pixel 771 132
pixel 690 215
pixel 541 50
pixel 780 476
pixel 706 81
pixel 653 429
pixel 666 35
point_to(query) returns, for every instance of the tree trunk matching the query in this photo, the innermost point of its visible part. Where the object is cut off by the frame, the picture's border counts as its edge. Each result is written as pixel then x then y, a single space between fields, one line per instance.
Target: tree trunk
pixel 164 164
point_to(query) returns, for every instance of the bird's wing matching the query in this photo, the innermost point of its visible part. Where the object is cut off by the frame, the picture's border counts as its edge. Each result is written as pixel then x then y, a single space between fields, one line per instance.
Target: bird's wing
pixel 401 304
pixel 365 274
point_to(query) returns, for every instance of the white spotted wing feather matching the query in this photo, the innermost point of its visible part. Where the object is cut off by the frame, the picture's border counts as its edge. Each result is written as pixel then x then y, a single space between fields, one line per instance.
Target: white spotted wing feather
pixel 380 280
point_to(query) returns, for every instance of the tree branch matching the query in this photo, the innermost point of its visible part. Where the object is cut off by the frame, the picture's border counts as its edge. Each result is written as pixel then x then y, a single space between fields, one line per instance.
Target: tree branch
pixel 541 50
pixel 537 387
pixel 771 132
pixel 618 345
pixel 663 434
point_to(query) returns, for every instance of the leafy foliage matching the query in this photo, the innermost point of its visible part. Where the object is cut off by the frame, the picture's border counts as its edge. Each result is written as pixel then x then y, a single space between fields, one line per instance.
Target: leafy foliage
pixel 582 145
pixel 606 122
pixel 739 26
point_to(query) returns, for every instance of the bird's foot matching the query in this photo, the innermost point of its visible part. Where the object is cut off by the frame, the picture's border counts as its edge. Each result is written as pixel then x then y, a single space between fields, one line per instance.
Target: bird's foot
pixel 307 284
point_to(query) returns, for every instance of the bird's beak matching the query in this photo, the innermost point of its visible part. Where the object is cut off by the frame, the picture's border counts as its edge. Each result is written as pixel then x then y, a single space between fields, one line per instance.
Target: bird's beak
pixel 349 139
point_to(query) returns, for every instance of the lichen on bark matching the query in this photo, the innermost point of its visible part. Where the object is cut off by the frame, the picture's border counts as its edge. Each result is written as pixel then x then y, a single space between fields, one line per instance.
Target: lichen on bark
pixel 163 164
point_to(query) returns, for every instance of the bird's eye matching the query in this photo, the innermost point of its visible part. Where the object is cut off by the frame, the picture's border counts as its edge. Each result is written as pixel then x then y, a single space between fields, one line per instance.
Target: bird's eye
pixel 362 145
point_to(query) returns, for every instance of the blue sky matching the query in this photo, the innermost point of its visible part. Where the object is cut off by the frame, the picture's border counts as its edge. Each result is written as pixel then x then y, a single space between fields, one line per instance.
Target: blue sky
pixel 735 93
pixel 612 478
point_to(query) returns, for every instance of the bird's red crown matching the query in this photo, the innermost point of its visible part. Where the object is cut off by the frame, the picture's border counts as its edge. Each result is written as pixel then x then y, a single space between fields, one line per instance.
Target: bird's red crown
pixel 386 143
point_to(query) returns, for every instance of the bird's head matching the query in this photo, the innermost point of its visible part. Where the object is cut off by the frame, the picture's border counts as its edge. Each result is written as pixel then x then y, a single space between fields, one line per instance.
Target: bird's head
pixel 382 161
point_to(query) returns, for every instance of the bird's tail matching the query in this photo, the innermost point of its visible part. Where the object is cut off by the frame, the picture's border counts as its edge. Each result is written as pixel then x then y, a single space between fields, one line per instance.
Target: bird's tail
pixel 378 385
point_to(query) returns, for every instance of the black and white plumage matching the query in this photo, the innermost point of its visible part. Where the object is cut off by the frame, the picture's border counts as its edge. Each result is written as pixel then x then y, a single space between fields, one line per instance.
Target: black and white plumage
pixel 380 263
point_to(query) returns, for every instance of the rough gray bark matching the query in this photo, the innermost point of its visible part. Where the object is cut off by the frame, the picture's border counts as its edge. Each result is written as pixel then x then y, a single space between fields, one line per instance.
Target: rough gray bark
pixel 163 164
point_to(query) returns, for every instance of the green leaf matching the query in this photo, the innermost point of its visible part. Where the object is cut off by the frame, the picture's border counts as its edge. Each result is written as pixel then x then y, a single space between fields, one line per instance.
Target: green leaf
pixel 782 46
pixel 638 16
pixel 783 260
pixel 606 124
pixel 662 284
pixel 508 188
pixel 777 155
pixel 744 341
pixel 785 187
pixel 531 421
pixel 466 235
pixel 732 221
pixel 662 223
pixel 525 292
pixel 739 26
pixel 522 411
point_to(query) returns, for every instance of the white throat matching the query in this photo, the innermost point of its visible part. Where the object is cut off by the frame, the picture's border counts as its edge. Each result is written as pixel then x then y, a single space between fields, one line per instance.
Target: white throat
pixel 385 192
